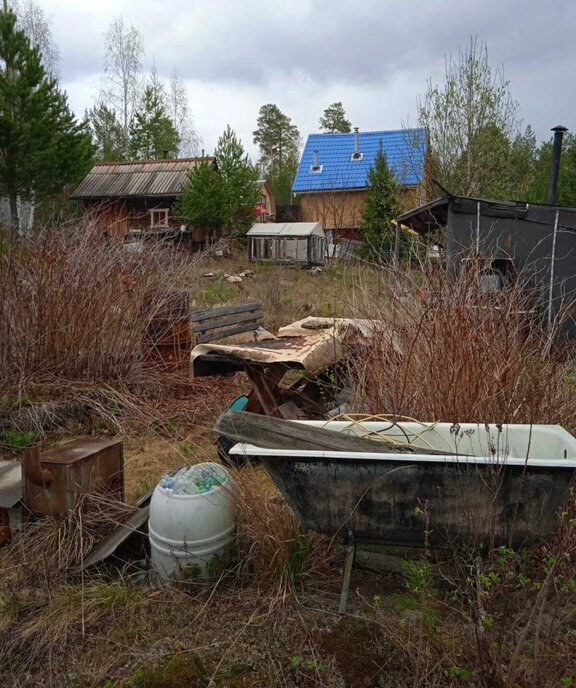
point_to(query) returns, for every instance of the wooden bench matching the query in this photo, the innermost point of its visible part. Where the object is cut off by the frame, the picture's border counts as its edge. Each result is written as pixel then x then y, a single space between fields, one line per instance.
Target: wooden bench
pixel 218 323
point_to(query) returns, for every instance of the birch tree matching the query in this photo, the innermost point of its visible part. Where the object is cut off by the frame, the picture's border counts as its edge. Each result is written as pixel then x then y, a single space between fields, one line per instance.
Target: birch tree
pixel 471 120
pixel 123 71
pixel 38 29
pixel 178 110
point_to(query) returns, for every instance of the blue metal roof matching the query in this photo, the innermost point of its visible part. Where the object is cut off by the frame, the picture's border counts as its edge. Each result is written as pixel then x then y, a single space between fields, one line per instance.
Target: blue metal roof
pixel 405 151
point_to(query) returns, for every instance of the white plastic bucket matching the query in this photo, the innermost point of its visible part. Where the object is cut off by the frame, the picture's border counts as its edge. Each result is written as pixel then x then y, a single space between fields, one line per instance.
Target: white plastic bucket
pixel 191 531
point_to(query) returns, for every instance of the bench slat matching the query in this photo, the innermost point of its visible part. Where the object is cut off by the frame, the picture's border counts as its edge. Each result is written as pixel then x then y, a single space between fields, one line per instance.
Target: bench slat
pixel 221 334
pixel 200 316
pixel 215 324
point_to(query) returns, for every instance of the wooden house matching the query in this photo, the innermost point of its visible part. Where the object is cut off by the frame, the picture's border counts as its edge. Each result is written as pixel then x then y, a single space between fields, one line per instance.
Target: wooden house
pixel 332 178
pixel 136 196
pixel 266 206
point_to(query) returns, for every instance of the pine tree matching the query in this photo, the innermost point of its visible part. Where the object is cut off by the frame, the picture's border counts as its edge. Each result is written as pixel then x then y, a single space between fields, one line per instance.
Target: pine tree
pixel 240 182
pixel 203 202
pixel 381 207
pixel 276 136
pixel 43 146
pixel 334 120
pixel 152 133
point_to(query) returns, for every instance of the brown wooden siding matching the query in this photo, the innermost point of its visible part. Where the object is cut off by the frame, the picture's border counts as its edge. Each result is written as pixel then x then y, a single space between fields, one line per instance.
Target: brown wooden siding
pixel 120 216
pixel 344 209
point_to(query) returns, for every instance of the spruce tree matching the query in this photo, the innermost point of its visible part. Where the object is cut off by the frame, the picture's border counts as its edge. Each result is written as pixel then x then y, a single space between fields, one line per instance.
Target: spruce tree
pixel 43 146
pixel 107 133
pixel 240 182
pixel 381 207
pixel 152 132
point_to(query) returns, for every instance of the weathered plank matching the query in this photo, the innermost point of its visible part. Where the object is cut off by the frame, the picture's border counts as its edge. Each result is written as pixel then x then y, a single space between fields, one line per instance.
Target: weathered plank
pixel 200 316
pixel 221 334
pixel 274 433
pixel 213 324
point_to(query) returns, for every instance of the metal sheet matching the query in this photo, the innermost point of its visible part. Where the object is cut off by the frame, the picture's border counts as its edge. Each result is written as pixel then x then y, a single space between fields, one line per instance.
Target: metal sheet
pixel 310 344
pixel 10 483
pixel 119 535
pixel 283 229
pixel 147 178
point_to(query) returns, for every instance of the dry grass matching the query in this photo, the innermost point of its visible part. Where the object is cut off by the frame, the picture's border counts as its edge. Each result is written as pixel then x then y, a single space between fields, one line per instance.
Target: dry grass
pixel 51 548
pixel 464 357
pixel 287 293
pixel 73 307
pixel 274 549
pixel 460 361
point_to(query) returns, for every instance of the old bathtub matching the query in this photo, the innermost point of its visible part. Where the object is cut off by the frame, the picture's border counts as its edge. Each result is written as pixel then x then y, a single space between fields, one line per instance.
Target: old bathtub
pixel 501 485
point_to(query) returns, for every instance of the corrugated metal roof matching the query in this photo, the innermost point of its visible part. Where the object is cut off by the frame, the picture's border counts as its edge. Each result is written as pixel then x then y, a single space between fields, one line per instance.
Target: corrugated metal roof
pixel 286 229
pixel 148 178
pixel 405 152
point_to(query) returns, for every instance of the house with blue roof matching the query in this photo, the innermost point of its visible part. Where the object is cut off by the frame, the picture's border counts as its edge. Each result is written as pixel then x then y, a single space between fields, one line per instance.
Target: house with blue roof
pixel 332 175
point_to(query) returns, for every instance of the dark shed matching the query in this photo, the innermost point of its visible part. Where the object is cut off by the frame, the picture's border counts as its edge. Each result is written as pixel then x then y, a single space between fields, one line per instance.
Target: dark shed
pixel 510 237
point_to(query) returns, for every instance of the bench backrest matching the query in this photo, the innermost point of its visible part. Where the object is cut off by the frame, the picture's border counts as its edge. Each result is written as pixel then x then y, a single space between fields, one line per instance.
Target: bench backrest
pixel 218 323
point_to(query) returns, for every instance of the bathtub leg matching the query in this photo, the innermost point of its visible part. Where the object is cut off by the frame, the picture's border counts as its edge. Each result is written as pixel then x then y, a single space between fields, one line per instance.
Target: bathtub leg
pixel 350 557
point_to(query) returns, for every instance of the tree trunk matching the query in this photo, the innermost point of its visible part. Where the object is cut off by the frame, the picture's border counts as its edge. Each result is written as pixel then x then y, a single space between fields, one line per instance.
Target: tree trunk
pixel 14 220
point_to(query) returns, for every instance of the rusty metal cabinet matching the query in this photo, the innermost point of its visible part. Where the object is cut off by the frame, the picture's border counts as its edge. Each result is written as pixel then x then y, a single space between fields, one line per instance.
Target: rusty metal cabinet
pixel 74 468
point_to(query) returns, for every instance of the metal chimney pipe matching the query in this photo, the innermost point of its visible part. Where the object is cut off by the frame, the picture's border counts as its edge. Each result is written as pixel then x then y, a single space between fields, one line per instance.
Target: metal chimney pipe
pixel 315 158
pixel 555 164
pixel 356 146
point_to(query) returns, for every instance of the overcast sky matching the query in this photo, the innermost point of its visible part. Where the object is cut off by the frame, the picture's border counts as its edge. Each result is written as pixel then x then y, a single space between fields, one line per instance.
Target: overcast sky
pixel 373 55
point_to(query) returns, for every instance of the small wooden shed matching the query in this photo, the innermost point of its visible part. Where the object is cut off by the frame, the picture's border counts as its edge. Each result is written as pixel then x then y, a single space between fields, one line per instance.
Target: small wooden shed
pixel 288 243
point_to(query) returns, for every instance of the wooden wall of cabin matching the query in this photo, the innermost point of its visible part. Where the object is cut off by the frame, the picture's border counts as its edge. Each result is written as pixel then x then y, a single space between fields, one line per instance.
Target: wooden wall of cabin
pixel 333 209
pixel 140 213
pixel 344 209
pixel 110 216
pixel 127 215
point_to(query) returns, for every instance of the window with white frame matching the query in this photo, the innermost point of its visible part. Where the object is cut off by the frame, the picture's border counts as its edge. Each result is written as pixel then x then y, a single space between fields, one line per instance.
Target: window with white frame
pixel 159 217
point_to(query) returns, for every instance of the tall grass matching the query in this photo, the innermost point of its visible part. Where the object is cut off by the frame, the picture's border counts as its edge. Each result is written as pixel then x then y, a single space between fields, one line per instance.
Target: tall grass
pixel 446 351
pixel 275 550
pixel 74 307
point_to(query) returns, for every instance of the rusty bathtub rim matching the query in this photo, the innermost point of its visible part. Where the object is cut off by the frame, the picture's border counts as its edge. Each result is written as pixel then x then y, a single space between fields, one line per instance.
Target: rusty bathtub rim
pixel 313 455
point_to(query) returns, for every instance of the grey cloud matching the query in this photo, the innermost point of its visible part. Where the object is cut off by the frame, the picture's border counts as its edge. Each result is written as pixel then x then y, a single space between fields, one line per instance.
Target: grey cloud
pixel 365 44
